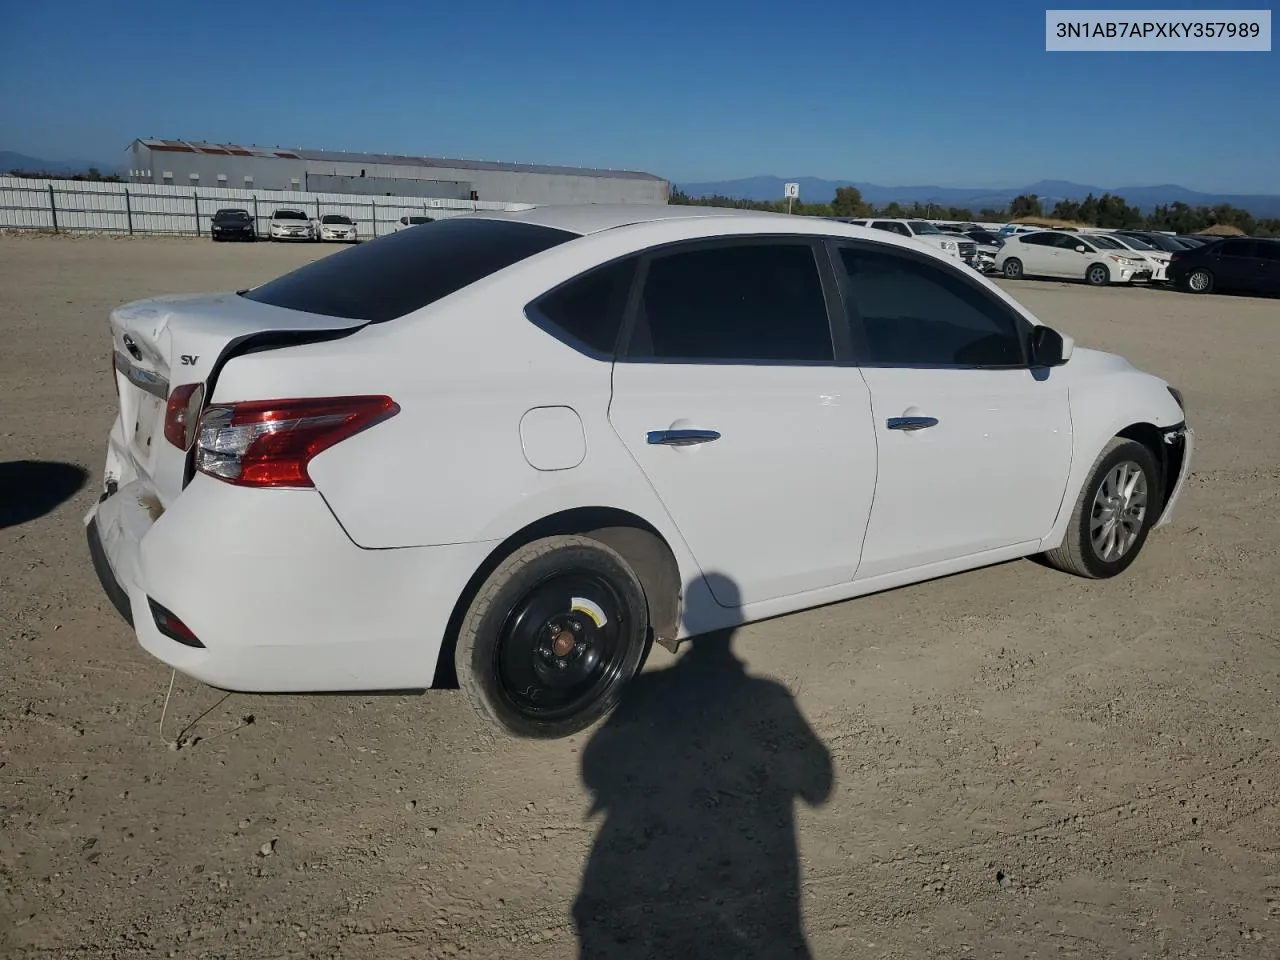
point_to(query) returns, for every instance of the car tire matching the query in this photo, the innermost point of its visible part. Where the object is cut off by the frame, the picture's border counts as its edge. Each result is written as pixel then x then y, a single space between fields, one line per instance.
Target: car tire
pixel 1198 280
pixel 1097 275
pixel 552 637
pixel 1087 549
pixel 1012 268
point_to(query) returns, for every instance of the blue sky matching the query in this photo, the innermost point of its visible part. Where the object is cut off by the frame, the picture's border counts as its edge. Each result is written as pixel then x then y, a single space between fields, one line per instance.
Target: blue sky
pixel 908 92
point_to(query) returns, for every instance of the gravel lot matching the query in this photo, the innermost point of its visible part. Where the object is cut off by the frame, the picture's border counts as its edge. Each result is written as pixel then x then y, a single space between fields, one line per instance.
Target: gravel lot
pixel 1024 764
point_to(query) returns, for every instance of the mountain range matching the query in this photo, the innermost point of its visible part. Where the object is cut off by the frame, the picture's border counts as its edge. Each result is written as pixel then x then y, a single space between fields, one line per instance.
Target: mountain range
pixel 20 161
pixel 816 190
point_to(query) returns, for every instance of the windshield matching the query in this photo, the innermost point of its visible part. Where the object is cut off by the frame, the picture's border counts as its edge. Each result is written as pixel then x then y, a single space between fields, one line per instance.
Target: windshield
pixel 1136 243
pixel 335 218
pixel 1106 243
pixel 1167 244
pixel 919 226
pixel 289 215
pixel 231 215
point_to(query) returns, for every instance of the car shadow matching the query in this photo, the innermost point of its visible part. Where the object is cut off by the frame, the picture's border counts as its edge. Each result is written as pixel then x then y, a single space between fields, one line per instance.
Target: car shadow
pixel 29 489
pixel 696 773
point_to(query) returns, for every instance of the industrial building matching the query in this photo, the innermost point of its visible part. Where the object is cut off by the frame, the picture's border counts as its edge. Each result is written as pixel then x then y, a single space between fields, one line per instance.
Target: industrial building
pixel 195 164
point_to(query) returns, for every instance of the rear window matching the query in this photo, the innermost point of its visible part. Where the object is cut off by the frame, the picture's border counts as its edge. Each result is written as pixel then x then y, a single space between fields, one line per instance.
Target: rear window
pixel 405 271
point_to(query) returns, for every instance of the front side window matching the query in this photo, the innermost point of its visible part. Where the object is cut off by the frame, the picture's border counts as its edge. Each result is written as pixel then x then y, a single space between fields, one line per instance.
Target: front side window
pixel 755 302
pixel 913 313
pixel 1237 248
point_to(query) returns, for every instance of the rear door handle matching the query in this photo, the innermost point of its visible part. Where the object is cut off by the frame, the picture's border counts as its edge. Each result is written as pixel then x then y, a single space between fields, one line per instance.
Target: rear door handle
pixel 911 423
pixel 681 438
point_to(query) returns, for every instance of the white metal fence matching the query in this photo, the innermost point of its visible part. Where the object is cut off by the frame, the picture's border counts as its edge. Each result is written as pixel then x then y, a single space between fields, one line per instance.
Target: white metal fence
pixel 142 208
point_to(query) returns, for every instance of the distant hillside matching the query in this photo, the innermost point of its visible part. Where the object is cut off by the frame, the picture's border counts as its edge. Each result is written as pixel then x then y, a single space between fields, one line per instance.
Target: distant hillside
pixel 816 190
pixel 20 161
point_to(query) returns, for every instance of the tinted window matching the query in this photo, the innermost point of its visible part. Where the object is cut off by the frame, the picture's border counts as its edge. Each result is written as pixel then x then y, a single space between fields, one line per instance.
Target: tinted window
pixel 588 309
pixel 1237 248
pixel 746 302
pixel 1066 241
pixel 403 271
pixel 892 227
pixel 231 215
pixel 335 218
pixel 1037 239
pixel 289 215
pixel 915 313
pixel 416 220
pixel 1267 251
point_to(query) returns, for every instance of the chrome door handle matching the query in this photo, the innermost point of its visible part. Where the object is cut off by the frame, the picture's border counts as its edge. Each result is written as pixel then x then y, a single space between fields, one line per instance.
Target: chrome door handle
pixel 911 423
pixel 681 438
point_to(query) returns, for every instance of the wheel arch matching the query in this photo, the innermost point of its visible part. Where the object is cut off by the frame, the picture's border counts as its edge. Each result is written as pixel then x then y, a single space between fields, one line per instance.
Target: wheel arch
pixel 644 548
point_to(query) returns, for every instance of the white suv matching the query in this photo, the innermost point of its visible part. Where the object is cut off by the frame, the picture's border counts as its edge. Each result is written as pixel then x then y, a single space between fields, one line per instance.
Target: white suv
pixel 961 247
pixel 530 445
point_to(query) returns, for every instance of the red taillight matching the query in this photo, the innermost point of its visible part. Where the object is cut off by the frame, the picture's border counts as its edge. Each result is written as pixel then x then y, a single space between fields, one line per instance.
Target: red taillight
pixel 182 414
pixel 268 443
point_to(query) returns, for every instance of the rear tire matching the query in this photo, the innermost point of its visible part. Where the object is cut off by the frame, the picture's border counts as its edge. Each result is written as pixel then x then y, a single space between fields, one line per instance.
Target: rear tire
pixel 1013 268
pixel 552 638
pixel 1109 524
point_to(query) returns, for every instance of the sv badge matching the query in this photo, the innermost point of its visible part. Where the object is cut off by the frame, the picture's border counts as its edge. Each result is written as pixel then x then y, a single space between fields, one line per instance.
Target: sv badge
pixel 189 360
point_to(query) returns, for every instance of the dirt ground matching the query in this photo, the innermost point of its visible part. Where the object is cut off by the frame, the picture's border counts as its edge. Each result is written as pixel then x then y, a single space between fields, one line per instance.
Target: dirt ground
pixel 1006 763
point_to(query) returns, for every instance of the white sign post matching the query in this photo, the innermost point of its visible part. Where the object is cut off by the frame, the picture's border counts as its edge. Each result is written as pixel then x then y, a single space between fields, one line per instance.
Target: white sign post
pixel 792 192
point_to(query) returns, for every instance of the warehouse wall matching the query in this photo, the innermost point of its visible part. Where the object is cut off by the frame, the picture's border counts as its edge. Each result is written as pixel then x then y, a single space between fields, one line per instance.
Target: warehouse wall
pixel 512 186
pixel 388 186
pixel 268 173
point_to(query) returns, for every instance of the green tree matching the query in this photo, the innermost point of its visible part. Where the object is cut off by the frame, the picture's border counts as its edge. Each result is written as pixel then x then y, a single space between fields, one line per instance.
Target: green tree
pixel 848 202
pixel 1025 205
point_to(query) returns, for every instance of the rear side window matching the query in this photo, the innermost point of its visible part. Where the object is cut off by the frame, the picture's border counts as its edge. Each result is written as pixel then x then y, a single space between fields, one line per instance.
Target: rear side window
pixel 586 312
pixel 405 271
pixel 1268 251
pixel 741 302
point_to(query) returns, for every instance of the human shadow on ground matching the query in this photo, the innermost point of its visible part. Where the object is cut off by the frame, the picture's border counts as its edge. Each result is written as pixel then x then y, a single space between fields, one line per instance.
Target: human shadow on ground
pixel 697 773
pixel 29 489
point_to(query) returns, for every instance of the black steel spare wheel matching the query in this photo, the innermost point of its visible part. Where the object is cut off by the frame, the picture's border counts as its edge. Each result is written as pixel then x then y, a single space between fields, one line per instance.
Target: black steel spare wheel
pixel 552 637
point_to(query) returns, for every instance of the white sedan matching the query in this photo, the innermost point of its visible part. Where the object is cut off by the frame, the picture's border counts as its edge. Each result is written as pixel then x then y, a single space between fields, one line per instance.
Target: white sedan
pixel 291 225
pixel 529 445
pixel 337 226
pixel 1159 258
pixel 1069 256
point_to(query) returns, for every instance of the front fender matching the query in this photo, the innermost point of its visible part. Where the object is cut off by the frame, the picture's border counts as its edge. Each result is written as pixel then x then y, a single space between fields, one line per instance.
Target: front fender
pixel 1108 396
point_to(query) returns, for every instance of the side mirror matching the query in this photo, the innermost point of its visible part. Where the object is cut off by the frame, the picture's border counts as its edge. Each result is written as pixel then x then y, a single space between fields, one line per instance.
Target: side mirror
pixel 1049 348
pixel 1082 249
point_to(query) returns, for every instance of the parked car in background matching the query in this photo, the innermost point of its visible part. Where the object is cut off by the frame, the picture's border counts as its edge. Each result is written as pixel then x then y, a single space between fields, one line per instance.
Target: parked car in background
pixel 292 225
pixel 1161 241
pixel 962 248
pixel 1160 258
pixel 989 244
pixel 413 221
pixel 1238 264
pixel 1105 242
pixel 276 516
pixel 337 226
pixel 232 224
pixel 1195 240
pixel 1068 256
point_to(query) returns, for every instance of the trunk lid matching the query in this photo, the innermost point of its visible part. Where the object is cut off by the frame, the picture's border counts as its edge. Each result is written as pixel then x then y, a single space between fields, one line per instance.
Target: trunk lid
pixel 165 342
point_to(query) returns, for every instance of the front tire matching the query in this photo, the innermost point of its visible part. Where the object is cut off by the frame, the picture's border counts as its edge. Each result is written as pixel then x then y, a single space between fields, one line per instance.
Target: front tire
pixel 552 637
pixel 1097 275
pixel 1013 268
pixel 1199 281
pixel 1117 507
